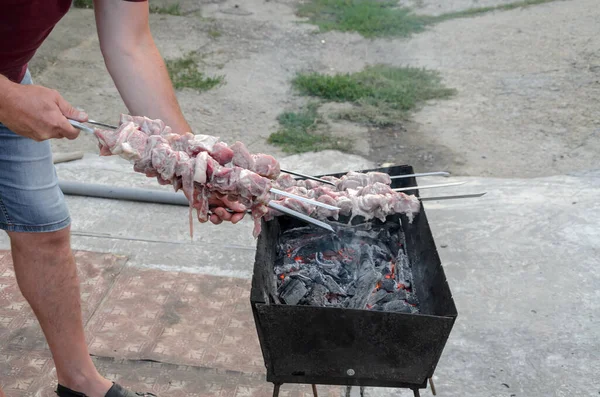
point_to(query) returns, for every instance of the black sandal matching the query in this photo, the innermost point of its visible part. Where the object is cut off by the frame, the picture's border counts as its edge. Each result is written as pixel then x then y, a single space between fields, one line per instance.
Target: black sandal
pixel 115 391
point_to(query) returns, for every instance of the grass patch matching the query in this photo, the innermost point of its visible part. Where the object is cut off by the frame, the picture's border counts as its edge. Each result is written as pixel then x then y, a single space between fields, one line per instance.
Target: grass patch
pixel 377 116
pixel 383 18
pixel 83 3
pixel 381 93
pixel 370 18
pixel 184 73
pixel 299 133
pixel 173 9
pixel 214 33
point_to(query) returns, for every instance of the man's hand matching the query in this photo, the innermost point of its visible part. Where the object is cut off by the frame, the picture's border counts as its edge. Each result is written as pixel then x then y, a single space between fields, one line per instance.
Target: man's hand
pixel 37 112
pixel 219 205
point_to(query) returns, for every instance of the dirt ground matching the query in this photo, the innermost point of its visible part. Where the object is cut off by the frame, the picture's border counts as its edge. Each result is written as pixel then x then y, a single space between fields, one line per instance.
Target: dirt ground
pixel 528 80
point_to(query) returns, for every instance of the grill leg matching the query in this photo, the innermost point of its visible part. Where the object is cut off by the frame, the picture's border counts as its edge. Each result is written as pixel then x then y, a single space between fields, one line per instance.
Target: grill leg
pixel 276 387
pixel 348 391
pixel 314 387
pixel 432 386
pixel 362 391
pixel 416 393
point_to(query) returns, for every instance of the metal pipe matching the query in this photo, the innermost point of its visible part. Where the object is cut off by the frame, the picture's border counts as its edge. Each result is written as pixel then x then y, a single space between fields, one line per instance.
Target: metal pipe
pixel 122 193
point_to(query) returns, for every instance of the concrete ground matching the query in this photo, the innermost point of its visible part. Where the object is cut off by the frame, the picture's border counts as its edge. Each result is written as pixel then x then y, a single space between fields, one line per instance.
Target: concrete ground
pixel 522 261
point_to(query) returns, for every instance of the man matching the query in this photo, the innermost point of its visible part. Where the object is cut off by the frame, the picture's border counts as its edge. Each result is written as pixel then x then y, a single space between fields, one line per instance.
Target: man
pixel 32 208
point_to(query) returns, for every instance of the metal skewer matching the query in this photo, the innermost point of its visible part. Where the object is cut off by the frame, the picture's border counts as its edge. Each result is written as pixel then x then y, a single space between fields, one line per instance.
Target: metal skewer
pixel 458 196
pixel 304 199
pixel 314 178
pixel 81 126
pixel 441 173
pixel 296 214
pixel 114 127
pixel 404 189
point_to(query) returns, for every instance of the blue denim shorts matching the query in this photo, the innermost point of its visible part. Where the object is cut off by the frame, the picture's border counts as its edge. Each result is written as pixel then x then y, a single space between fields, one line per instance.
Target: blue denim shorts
pixel 30 199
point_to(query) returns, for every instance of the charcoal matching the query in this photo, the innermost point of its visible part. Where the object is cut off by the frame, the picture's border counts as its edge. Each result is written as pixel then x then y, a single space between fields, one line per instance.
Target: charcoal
pixel 285 269
pixel 377 297
pixel 364 286
pixel 398 295
pixel 315 275
pixel 293 291
pixel 332 286
pixel 302 277
pixel 405 284
pixel 388 284
pixel 399 306
pixel 381 253
pixel 343 269
pixel 317 296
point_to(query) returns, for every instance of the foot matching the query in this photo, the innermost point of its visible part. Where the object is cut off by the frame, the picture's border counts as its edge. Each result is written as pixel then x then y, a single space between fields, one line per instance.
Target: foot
pixel 95 386
pixel 115 390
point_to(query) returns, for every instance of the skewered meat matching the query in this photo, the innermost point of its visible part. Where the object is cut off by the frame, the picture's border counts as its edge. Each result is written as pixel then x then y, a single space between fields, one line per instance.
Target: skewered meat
pixel 262 164
pixel 193 163
pixel 203 166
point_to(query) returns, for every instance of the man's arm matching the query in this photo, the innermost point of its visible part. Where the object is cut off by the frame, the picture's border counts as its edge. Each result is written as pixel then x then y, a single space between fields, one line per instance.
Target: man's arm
pixel 135 63
pixel 140 75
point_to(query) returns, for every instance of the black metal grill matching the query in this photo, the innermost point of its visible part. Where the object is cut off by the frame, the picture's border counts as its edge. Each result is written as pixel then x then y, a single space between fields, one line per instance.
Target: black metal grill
pixel 336 346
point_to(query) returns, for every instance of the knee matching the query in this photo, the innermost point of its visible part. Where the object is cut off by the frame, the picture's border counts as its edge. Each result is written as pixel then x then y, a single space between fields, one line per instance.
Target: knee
pixel 58 241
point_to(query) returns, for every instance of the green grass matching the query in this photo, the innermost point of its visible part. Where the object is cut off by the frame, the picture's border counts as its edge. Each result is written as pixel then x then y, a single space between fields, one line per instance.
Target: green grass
pixel 370 18
pixel 299 133
pixel 83 3
pixel 184 73
pixel 392 90
pixel 383 18
pixel 376 116
pixel 214 33
pixel 173 9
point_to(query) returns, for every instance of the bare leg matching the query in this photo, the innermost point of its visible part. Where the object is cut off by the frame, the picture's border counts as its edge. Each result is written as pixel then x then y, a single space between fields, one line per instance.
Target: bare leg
pixel 2 393
pixel 47 277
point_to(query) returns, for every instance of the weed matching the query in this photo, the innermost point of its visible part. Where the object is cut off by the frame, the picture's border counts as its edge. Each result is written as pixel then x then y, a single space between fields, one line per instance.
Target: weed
pixel 371 18
pixel 300 133
pixel 184 74
pixel 173 9
pixel 381 18
pixel 381 93
pixel 83 3
pixel 214 33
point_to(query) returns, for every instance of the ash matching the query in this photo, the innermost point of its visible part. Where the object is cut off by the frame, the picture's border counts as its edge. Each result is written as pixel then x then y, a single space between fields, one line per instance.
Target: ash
pixel 359 267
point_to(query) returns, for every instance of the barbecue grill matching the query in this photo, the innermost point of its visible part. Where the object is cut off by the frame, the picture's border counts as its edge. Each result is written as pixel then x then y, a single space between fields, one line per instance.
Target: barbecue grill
pixel 340 346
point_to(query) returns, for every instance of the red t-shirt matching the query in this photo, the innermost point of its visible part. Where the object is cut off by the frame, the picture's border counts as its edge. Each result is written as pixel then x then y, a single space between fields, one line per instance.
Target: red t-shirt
pixel 24 25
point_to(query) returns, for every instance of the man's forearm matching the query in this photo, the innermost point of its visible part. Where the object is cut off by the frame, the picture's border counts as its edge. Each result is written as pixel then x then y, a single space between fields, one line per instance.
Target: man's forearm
pixel 144 84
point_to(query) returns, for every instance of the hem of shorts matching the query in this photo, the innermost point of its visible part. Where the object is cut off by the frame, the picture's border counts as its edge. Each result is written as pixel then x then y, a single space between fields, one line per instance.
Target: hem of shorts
pixel 50 227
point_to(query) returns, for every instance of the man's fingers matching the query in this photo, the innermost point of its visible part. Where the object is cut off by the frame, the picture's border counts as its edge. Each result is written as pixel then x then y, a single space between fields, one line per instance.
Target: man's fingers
pixel 238 216
pixel 68 131
pixel 215 219
pixel 69 111
pixel 222 213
